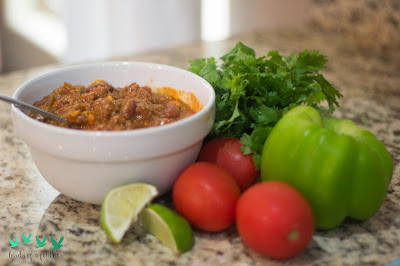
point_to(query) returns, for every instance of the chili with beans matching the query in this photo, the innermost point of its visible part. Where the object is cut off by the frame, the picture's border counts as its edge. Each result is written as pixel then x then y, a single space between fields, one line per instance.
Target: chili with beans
pixel 101 107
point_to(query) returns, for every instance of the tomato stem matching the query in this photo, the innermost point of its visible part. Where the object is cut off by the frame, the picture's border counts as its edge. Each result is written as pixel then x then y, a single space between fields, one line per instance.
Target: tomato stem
pixel 293 236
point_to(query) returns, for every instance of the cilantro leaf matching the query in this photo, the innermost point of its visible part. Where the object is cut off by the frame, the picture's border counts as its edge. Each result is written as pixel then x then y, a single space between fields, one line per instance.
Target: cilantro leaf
pixel 253 93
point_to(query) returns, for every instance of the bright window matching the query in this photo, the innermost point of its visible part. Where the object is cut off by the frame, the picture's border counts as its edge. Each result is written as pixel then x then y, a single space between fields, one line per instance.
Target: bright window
pixel 38 22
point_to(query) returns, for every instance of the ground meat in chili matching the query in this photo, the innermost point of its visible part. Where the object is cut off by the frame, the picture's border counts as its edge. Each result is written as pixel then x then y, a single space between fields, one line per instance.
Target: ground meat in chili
pixel 101 107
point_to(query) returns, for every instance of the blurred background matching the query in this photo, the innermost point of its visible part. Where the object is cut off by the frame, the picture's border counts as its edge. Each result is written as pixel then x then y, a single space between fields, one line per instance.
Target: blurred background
pixel 36 32
pixel 39 32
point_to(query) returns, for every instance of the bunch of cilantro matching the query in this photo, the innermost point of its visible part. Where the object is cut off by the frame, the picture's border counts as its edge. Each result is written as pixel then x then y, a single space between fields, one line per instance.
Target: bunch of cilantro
pixel 252 93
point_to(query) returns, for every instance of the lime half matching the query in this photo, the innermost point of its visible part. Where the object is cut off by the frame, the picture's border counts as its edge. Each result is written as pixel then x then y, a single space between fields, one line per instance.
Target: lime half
pixel 169 227
pixel 121 207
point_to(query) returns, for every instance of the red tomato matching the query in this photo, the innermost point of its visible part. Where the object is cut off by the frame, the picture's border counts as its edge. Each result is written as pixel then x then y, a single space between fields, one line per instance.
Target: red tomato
pixel 206 195
pixel 226 153
pixel 274 219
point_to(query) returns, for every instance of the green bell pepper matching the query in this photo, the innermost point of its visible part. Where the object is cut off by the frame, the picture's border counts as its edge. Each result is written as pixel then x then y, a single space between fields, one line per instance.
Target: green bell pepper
pixel 342 169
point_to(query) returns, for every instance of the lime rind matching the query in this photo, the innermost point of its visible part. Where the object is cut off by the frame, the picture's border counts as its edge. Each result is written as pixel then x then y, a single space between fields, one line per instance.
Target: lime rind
pixel 121 207
pixel 169 227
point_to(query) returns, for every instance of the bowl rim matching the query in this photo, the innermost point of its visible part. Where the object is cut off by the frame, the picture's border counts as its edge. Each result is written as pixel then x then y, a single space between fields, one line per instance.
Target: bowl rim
pixel 111 134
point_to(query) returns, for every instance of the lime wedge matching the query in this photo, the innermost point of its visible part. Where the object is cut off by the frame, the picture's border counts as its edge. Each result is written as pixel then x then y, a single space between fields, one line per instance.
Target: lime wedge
pixel 169 227
pixel 121 207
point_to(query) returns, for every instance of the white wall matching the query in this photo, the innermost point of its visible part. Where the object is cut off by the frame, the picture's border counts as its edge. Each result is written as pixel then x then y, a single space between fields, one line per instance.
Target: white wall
pixel 101 29
pixel 89 30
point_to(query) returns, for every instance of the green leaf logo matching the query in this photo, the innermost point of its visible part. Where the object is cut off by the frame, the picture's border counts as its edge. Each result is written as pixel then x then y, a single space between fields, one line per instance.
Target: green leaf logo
pixel 26 239
pixel 14 244
pixel 41 243
pixel 56 245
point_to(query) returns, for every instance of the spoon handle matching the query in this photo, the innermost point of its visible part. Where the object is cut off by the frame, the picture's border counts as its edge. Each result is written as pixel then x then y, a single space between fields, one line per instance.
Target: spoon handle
pixel 23 105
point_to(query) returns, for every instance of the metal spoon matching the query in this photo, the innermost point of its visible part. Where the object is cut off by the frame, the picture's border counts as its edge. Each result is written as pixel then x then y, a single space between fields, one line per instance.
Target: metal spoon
pixel 22 105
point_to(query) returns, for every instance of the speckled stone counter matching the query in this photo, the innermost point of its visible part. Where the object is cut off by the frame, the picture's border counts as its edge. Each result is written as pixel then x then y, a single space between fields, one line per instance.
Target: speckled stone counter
pixel 29 205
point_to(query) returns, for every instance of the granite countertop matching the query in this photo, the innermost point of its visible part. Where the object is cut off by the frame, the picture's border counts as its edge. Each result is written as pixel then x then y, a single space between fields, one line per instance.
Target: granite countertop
pixel 29 205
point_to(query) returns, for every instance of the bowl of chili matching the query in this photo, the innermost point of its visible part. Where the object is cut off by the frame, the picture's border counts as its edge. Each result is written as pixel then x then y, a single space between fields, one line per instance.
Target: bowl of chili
pixel 127 122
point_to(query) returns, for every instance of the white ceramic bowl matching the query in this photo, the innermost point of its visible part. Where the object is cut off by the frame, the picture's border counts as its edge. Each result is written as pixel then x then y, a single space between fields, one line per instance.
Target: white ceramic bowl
pixel 85 165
